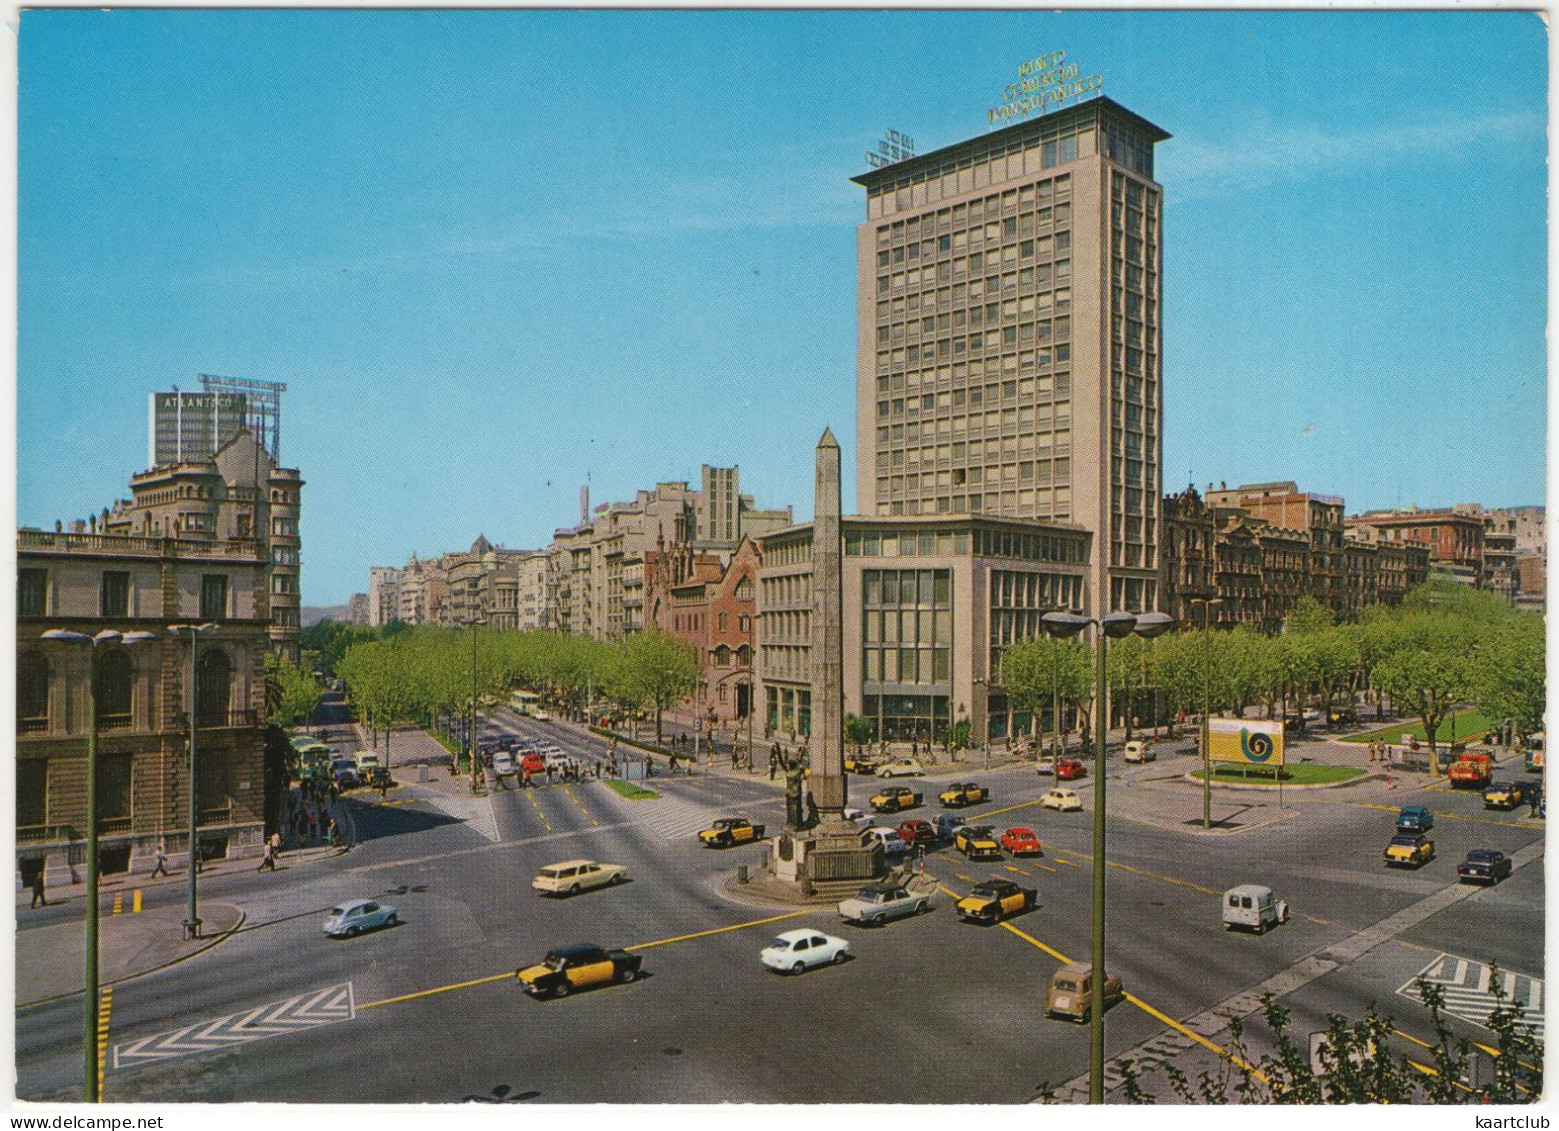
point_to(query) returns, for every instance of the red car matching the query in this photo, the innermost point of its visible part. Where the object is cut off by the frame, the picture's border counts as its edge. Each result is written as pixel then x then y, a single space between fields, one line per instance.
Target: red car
pixel 1068 769
pixel 1021 841
pixel 917 833
pixel 532 763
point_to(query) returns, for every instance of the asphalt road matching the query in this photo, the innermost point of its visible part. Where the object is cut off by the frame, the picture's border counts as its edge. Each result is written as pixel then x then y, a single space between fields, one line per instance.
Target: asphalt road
pixel 928 1010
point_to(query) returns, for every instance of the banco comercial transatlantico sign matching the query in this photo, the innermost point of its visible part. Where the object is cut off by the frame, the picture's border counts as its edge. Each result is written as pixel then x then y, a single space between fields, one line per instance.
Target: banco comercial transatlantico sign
pixel 1043 81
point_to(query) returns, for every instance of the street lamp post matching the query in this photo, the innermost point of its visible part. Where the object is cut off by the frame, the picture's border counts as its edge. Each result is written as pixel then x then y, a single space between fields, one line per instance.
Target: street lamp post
pixel 192 920
pixel 1207 604
pixel 1110 625
pixel 90 957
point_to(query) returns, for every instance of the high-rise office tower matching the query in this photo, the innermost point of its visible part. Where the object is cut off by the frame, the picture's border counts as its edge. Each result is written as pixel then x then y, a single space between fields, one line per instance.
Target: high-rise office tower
pixel 1009 294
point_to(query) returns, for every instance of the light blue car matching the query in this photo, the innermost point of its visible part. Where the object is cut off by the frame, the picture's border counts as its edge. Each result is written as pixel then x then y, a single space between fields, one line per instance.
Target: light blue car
pixel 352 919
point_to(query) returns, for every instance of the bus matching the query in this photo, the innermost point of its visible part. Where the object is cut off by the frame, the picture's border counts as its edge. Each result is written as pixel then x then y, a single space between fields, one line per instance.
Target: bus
pixel 1535 743
pixel 524 702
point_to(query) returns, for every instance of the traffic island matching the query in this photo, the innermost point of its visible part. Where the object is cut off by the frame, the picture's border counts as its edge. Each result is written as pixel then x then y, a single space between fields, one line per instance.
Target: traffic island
pixel 1306 775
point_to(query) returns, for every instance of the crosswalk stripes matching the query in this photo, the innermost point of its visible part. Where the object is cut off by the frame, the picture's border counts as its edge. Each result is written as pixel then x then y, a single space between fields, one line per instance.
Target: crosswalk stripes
pixel 670 815
pixel 1468 986
pixel 274 1019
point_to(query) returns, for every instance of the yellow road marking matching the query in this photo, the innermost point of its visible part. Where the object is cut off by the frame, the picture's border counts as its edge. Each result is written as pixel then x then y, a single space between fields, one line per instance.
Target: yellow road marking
pixel 1019 871
pixel 104 1009
pixel 1046 867
pixel 1166 879
pixel 581 805
pixel 966 879
pixel 536 806
pixel 1197 1037
pixel 1485 1048
pixel 135 902
pixel 1427 1071
pixel 636 946
pixel 1148 1009
pixel 1068 863
pixel 119 902
pixel 1452 816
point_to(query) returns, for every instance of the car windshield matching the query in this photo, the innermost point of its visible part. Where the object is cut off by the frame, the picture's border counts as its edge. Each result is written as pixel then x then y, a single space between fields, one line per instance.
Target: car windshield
pixel 1405 841
pixel 337 912
pixel 1066 984
pixel 553 962
pixel 868 895
pixel 1481 855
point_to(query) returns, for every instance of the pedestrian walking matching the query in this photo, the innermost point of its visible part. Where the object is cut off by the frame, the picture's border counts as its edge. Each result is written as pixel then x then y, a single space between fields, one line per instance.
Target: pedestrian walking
pixel 160 867
pixel 313 826
pixel 35 881
pixel 673 761
pixel 773 764
pixel 268 862
pixel 332 830
pixel 1535 800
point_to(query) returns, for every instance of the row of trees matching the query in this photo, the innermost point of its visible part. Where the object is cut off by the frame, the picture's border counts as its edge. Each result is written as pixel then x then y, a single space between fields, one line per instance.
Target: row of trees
pixel 427 672
pixel 1445 645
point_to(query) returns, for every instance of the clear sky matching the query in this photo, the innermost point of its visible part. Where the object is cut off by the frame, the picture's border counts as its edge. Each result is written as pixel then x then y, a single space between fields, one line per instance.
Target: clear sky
pixel 495 253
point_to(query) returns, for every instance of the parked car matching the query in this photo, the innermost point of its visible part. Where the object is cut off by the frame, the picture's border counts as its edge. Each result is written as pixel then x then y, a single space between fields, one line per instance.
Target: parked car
pixel 1504 795
pixel 960 794
pixel 1414 819
pixel 1139 750
pixel 352 919
pixel 892 843
pixel 995 899
pixel 1409 851
pixel 902 768
pixel 1071 991
pixel 876 904
pixel 571 877
pixel 1069 769
pixel 1254 906
pixel 977 842
pixel 1021 841
pixel 798 950
pixel 541 716
pixel 570 968
pixel 345 773
pixel 731 830
pixel 895 799
pixel 1484 866
pixel 1061 800
pixel 916 833
pixel 861 764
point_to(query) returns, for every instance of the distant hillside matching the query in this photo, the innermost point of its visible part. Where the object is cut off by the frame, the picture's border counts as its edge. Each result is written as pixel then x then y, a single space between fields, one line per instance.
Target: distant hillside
pixel 312 616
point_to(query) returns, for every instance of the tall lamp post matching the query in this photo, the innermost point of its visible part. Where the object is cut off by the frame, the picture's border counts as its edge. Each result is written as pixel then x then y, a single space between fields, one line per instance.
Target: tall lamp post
pixel 192 920
pixel 470 623
pixel 1207 604
pixel 1110 625
pixel 89 964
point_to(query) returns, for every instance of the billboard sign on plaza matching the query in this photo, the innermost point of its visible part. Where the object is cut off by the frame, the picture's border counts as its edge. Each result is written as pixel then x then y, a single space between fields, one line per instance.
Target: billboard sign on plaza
pixel 1245 741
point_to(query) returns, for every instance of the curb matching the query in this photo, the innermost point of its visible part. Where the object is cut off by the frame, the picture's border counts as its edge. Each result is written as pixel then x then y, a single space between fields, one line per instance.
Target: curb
pixel 1196 781
pixel 243 917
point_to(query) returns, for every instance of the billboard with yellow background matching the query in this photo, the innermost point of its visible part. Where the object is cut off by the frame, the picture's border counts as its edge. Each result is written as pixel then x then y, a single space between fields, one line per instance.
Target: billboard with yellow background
pixel 1246 741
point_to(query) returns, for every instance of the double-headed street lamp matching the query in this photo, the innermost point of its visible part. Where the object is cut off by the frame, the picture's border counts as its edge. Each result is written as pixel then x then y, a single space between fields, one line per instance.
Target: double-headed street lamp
pixel 1110 625
pixel 1207 604
pixel 470 622
pixel 90 972
pixel 192 920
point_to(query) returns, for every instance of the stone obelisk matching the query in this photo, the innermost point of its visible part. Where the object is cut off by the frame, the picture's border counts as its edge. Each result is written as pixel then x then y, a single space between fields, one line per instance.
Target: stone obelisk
pixel 827 743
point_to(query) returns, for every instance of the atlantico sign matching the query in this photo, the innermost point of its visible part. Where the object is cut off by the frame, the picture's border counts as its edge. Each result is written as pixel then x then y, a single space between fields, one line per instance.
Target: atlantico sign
pixel 1042 81
pixel 1250 742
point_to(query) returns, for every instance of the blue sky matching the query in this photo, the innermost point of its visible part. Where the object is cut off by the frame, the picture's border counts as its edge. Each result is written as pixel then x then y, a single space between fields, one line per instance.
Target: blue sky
pixel 494 253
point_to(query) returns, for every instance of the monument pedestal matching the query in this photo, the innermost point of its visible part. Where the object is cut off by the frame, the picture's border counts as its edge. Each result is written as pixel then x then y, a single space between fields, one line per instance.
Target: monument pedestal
pixel 834 852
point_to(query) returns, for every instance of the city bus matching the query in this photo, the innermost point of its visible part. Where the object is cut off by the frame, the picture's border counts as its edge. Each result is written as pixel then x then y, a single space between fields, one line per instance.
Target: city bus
pixel 1535 743
pixel 524 702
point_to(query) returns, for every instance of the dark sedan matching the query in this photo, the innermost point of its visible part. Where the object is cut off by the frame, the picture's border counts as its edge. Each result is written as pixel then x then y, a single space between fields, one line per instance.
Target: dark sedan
pixel 1484 866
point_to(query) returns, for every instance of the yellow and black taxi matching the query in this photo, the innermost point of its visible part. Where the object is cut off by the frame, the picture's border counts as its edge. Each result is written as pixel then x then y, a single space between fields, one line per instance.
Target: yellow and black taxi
pixel 977 842
pixel 570 968
pixel 730 830
pixel 895 799
pixel 994 900
pixel 959 794
pixel 1409 851
pixel 861 764
pixel 1504 795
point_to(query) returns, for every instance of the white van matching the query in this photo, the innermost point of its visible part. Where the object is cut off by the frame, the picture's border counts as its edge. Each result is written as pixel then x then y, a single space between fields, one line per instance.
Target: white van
pixel 1253 906
pixel 1139 750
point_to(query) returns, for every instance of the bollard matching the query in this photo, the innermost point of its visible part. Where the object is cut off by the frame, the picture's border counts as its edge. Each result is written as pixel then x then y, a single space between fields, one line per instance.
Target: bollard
pixel 741 873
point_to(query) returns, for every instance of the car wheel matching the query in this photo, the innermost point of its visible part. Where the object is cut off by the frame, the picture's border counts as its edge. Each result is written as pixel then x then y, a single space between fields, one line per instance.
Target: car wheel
pixel 352 932
pixel 561 989
pixel 840 956
pixel 877 920
pixel 573 889
pixel 922 907
pixel 392 920
pixel 627 974
pixel 798 967
pixel 1261 928
pixel 616 879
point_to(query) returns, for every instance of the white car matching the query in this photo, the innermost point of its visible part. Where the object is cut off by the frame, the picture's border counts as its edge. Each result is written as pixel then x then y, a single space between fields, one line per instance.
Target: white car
pixel 541 716
pixel 1046 766
pixel 859 818
pixel 1137 751
pixel 795 951
pixel 554 758
pixel 1062 800
pixel 902 768
pixel 352 919
pixel 503 763
pixel 570 877
pixel 892 843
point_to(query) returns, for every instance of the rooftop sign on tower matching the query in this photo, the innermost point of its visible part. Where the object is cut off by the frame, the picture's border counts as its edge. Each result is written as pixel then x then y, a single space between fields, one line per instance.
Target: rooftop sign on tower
pixel 1044 82
pixel 893 148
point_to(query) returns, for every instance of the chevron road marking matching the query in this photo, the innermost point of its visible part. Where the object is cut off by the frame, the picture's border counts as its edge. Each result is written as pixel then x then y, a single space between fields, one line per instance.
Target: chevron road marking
pixel 274 1019
pixel 1469 990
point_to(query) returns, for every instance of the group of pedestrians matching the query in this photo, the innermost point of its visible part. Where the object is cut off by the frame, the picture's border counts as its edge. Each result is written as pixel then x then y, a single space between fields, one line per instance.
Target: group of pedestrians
pixel 311 819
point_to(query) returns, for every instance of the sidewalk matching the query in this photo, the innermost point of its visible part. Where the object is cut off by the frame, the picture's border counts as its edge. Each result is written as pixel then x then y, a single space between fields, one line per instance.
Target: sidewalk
pixel 49 959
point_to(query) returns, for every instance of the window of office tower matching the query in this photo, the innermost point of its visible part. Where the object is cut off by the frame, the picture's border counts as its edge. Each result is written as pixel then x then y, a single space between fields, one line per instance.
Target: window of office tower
pixel 907 638
pixel 1134 336
pixel 973 356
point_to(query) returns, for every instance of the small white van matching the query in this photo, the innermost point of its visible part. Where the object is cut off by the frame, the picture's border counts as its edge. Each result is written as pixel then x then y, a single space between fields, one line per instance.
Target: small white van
pixel 1253 906
pixel 1138 750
